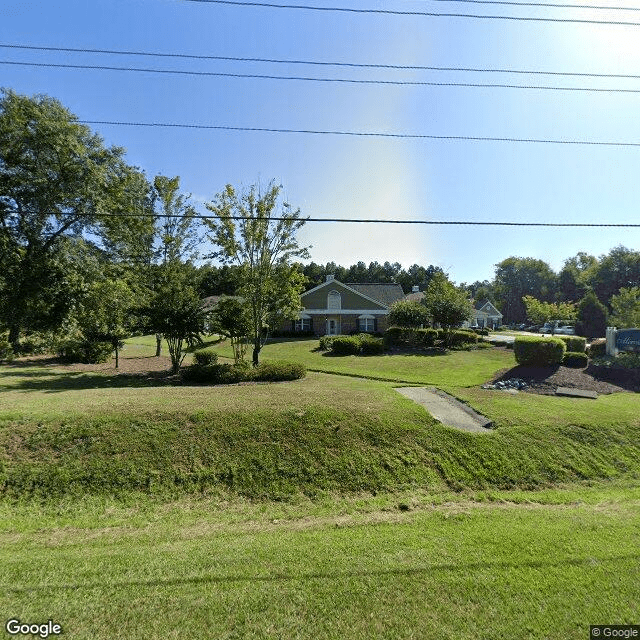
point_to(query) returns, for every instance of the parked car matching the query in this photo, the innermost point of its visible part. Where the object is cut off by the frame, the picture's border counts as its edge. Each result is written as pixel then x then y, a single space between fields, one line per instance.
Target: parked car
pixel 566 330
pixel 547 328
pixel 533 328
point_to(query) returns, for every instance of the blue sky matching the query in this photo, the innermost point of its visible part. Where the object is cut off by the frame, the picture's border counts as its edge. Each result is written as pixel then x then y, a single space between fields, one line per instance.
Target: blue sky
pixel 340 176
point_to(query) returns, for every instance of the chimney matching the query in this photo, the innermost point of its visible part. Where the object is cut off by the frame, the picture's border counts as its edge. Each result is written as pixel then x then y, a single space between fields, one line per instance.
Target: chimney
pixel 329 278
pixel 415 288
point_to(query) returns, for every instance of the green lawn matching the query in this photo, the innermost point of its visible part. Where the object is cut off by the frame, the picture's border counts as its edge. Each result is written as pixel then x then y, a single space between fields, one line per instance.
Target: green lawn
pixel 449 567
pixel 457 368
pixel 329 507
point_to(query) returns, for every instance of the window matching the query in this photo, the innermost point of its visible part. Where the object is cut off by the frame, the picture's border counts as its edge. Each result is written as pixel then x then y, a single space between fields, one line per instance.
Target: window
pixel 367 324
pixel 303 324
pixel 333 300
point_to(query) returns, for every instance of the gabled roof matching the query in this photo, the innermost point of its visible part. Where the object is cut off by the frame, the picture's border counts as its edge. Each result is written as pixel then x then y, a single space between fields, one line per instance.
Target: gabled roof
pixel 387 294
pixel 481 303
pixel 414 296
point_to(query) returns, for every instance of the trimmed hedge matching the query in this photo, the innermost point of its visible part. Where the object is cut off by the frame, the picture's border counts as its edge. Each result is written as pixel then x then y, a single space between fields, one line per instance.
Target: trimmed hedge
pixel 460 337
pixel 598 348
pixel 346 345
pixel 539 351
pixel 575 359
pixel 205 357
pixel 416 337
pixel 575 344
pixel 234 373
pixel 370 346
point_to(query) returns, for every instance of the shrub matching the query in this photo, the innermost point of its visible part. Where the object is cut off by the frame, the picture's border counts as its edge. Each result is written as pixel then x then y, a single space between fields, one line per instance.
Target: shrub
pixel 370 346
pixel 233 373
pixel 409 336
pixel 577 359
pixel 326 342
pixel 345 345
pixel 215 373
pixel 85 351
pixel 460 338
pixel 598 348
pixel 628 360
pixel 539 351
pixel 205 357
pixel 278 371
pixel 407 313
pixel 575 344
pixel 6 352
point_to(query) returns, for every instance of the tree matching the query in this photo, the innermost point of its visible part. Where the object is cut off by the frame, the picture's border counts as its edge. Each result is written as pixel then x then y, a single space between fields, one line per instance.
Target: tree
pixel 540 312
pixel 447 305
pixel 174 238
pixel 592 317
pixel 175 312
pixel 57 181
pixel 406 313
pixel 518 277
pixel 106 313
pixel 626 308
pixel 620 268
pixel 262 244
pixel 230 318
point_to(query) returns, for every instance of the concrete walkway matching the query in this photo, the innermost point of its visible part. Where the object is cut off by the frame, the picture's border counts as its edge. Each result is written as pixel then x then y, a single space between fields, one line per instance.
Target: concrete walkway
pixel 447 409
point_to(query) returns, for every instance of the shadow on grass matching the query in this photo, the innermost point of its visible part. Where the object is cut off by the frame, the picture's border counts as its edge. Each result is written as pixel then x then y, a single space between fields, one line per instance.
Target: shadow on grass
pixel 395 352
pixel 78 381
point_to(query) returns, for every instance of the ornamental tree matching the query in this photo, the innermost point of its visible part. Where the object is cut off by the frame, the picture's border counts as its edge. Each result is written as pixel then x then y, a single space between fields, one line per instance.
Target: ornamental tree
pixel 257 232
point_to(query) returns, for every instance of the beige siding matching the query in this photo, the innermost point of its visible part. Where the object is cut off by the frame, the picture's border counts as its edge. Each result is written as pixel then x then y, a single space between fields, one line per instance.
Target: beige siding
pixel 349 299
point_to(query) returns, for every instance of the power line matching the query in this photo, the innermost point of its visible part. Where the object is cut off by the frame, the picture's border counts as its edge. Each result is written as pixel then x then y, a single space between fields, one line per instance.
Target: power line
pixel 320 62
pixel 415 13
pixel 216 74
pixel 377 221
pixel 369 134
pixel 543 4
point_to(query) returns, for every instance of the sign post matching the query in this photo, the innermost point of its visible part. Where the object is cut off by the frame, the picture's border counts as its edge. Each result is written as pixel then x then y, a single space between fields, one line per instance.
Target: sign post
pixel 611 341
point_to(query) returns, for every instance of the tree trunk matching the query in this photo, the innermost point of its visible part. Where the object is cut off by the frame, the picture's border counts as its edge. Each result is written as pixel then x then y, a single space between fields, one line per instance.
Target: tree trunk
pixel 256 352
pixel 158 344
pixel 116 350
pixel 14 338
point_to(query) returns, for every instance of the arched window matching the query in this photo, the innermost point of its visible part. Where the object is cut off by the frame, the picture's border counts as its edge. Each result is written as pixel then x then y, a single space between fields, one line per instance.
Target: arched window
pixel 334 300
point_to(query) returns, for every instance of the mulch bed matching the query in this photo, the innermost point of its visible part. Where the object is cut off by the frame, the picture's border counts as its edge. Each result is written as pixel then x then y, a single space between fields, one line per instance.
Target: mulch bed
pixel 545 380
pixel 148 368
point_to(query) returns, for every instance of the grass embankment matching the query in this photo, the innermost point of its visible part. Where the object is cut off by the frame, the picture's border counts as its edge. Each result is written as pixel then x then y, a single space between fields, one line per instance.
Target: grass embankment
pixel 356 568
pixel 322 434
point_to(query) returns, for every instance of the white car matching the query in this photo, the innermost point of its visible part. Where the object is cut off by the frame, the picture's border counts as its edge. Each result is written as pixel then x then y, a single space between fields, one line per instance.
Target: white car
pixel 566 330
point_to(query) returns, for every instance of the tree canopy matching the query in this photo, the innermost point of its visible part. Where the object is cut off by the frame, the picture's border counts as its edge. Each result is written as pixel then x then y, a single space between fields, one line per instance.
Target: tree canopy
pixel 57 181
pixel 257 232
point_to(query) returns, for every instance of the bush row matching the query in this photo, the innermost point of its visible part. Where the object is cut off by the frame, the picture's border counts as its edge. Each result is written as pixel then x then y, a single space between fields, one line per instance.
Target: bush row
pixel 360 344
pixel 532 350
pixel 396 336
pixel 575 344
pixel 215 373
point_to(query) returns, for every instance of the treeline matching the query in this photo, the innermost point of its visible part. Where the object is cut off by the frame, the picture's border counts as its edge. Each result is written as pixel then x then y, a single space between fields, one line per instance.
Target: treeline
pixel 581 277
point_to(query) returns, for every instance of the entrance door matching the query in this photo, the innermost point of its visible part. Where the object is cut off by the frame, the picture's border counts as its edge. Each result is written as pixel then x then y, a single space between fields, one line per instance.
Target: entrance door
pixel 331 327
